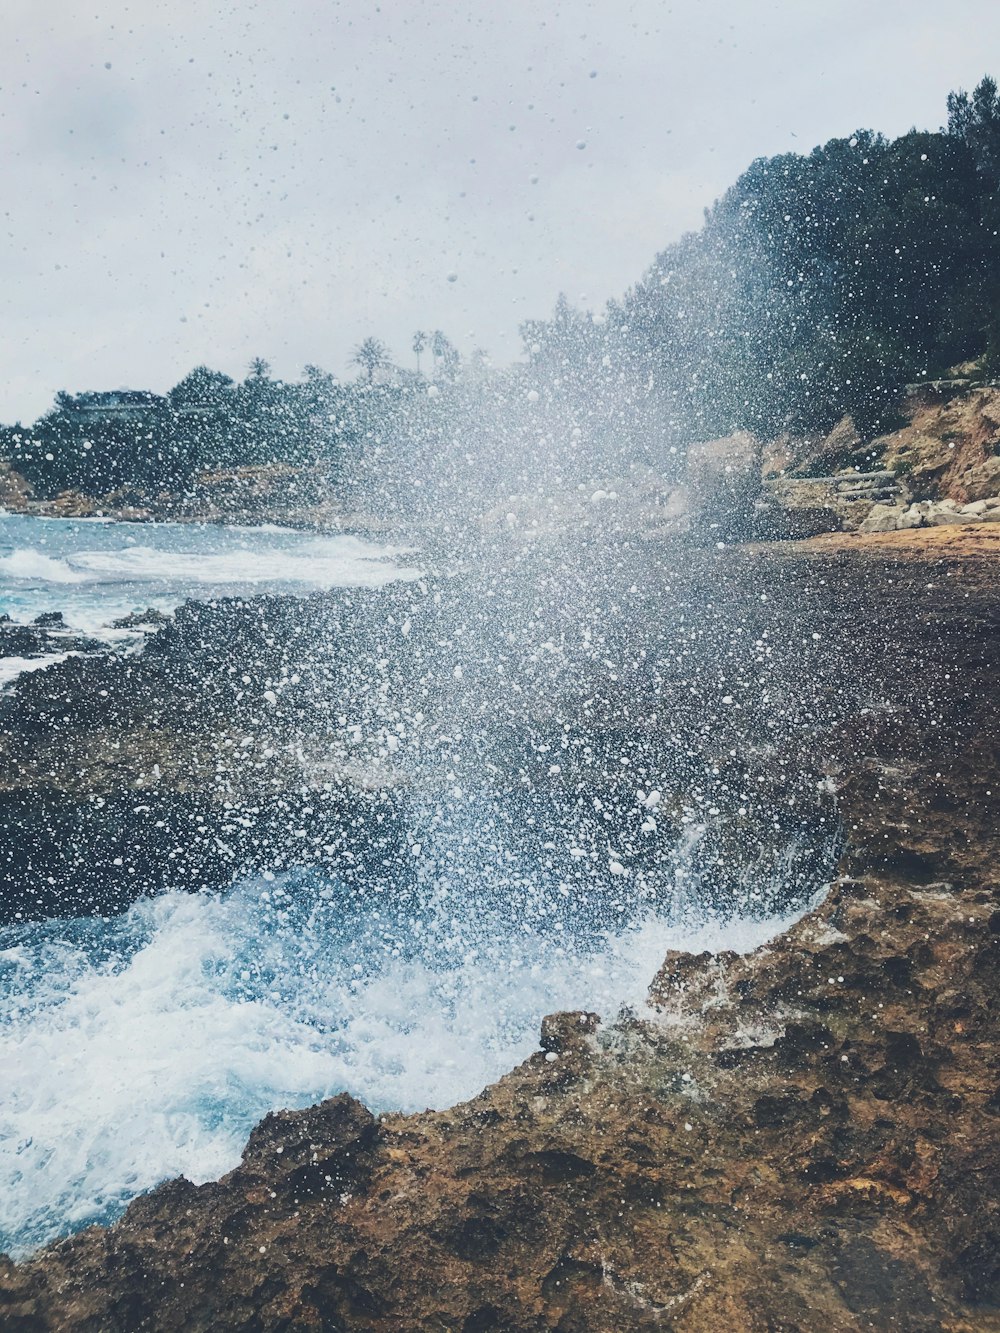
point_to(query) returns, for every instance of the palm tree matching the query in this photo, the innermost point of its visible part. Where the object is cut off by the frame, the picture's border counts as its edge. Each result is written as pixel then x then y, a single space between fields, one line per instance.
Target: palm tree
pixel 419 343
pixel 317 378
pixel 446 358
pixel 369 355
pixel 259 368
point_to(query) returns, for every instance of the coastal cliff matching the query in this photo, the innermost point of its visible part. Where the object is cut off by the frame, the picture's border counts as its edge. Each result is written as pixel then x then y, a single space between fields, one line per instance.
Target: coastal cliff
pixel 936 462
pixel 803 1137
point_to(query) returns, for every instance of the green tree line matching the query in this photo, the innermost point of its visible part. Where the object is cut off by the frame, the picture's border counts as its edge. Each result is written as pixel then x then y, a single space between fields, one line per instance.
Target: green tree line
pixel 819 285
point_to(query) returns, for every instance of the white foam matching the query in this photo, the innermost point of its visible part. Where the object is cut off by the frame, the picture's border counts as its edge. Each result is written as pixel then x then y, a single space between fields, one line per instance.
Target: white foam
pixel 95 575
pixel 338 562
pixel 27 564
pixel 146 1048
pixel 12 667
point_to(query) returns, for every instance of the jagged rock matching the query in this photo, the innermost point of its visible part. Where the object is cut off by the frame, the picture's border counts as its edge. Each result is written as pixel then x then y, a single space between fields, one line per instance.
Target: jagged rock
pixel 568 1031
pixel 148 619
pixel 948 453
pixel 45 637
pixel 723 480
pixel 821 456
pixel 802 1137
pixel 15 492
pixel 950 448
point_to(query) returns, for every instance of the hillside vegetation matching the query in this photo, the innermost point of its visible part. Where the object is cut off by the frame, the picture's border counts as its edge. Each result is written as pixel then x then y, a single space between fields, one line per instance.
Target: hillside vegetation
pixel 819 286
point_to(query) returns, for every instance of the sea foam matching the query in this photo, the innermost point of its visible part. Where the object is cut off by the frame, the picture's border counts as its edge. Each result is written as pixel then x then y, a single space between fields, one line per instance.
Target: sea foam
pixel 147 1047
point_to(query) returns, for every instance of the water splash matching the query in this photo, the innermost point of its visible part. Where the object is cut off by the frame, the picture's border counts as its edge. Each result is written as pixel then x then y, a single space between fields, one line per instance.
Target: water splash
pixel 148 1046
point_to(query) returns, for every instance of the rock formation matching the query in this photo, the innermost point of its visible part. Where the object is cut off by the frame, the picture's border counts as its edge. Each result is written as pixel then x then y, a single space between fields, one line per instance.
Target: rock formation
pixel 941 466
pixel 802 1138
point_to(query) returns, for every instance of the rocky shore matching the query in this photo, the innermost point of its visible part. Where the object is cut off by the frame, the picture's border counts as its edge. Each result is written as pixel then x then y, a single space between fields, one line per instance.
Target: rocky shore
pixel 938 464
pixel 804 1137
pixel 122 774
pixel 289 496
pixel 45 636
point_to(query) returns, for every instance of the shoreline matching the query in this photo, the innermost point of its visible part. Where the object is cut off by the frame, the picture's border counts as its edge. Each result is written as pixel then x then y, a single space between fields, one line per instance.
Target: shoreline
pixel 801 1153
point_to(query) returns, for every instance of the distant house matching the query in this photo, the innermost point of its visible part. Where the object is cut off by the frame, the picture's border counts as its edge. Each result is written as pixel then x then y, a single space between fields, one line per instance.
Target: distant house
pixel 114 404
pixel 197 409
pixel 202 393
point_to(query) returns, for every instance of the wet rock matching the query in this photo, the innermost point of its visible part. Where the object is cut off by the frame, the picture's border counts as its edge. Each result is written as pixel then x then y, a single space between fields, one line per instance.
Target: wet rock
pixel 774 1110
pixel 840 1174
pixel 321 1151
pixel 151 618
pixel 722 478
pixel 568 1031
pixel 45 637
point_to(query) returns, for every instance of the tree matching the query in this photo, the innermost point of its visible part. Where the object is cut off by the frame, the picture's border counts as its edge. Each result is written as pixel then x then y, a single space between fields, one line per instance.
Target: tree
pixel 419 343
pixel 976 121
pixel 446 358
pixel 201 385
pixel 370 355
pixel 316 393
pixel 259 368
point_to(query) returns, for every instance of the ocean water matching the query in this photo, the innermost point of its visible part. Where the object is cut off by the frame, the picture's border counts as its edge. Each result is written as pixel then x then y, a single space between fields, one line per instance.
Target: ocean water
pixel 96 571
pixel 147 1046
pixel 143 1046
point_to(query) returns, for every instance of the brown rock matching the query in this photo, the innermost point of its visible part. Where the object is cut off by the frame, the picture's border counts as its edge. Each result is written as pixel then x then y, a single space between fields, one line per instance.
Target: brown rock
pixel 723 481
pixel 801 1138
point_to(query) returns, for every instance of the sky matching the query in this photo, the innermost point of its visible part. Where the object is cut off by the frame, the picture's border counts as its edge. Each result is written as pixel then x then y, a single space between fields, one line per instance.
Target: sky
pixel 188 182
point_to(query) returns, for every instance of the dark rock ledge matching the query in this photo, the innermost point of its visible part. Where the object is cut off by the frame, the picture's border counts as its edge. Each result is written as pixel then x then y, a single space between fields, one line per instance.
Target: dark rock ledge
pixel 803 1138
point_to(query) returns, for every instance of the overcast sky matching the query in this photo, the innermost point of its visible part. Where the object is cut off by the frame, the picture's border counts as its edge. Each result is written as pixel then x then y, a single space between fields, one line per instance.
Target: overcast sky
pixel 188 181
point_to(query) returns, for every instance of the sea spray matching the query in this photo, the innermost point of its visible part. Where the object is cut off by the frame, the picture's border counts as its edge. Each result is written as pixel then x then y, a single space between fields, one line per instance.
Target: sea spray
pixel 148 1046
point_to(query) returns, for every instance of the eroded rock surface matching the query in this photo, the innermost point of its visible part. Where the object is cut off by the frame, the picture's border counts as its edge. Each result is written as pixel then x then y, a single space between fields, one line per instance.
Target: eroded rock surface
pixel 941 466
pixel 802 1138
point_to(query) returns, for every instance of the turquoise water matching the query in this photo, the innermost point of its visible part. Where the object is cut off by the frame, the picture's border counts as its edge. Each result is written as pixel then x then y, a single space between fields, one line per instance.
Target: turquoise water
pixel 96 571
pixel 143 1046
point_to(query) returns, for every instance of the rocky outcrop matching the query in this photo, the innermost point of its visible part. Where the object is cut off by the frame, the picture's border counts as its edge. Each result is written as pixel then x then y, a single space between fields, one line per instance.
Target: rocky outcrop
pixel 15 493
pixel 279 493
pixel 950 445
pixel 45 637
pixel 710 498
pixel 723 481
pixel 930 514
pixel 144 621
pixel 124 774
pixel 941 466
pixel 798 507
pixel 802 1138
